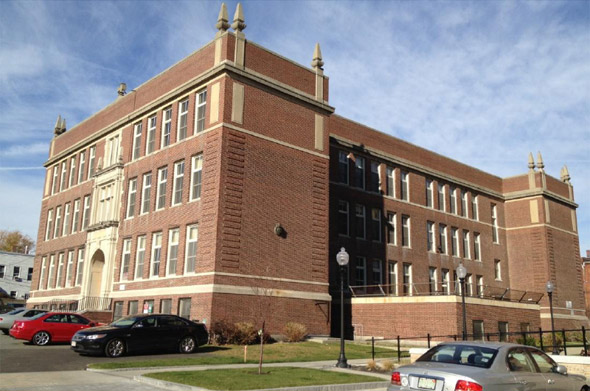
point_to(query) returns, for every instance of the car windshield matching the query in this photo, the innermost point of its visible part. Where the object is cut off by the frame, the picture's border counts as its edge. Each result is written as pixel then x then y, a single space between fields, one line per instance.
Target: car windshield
pixel 17 311
pixel 40 314
pixel 125 322
pixel 471 355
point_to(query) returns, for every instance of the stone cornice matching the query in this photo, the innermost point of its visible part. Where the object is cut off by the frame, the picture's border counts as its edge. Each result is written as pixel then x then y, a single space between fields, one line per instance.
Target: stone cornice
pixel 538 192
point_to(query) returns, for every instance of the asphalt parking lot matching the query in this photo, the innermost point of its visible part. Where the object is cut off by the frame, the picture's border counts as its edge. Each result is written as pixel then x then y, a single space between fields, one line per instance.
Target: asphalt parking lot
pixel 20 356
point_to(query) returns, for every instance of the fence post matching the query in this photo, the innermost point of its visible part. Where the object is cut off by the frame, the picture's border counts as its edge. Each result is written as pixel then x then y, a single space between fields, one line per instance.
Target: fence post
pixel 584 341
pixel 524 341
pixel 564 344
pixel 373 348
pixel 541 338
pixel 429 340
pixel 399 350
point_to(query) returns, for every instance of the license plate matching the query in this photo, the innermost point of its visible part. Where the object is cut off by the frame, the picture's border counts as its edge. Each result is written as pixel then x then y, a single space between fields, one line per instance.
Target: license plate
pixel 74 343
pixel 426 383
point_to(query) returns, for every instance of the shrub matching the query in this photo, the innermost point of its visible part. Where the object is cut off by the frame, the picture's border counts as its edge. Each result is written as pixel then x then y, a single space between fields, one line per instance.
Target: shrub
pixel 387 365
pixel 222 332
pixel 372 366
pixel 294 332
pixel 243 334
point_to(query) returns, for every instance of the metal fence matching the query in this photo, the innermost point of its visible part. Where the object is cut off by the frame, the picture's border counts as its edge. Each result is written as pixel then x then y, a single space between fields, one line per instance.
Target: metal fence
pixel 86 303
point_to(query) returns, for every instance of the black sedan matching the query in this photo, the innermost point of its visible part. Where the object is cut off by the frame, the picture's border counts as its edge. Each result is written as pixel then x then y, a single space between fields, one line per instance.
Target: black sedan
pixel 139 333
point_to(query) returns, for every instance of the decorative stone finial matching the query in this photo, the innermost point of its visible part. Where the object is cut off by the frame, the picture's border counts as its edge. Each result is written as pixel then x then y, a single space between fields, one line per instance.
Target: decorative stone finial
pixel 565 174
pixel 531 162
pixel 63 125
pixel 122 90
pixel 317 58
pixel 60 126
pixel 238 23
pixel 540 164
pixel 222 20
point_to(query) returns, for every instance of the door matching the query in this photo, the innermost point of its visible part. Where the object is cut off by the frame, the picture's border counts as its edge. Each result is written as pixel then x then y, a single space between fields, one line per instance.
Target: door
pixel 524 371
pixel 96 269
pixel 143 335
pixel 554 381
pixel 57 326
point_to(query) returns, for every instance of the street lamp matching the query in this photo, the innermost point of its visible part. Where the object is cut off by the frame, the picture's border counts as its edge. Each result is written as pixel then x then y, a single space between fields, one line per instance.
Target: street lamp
pixel 550 288
pixel 461 273
pixel 342 259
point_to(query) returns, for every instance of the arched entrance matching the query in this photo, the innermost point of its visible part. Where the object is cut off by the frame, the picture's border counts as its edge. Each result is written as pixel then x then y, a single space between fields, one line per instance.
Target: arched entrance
pixel 96 268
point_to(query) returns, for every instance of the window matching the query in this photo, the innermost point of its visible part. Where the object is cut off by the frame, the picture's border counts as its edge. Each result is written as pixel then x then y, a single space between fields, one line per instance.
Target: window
pixel 432 283
pixel 166 127
pixel 156 254
pixel 497 270
pixel 454 242
pixel 118 312
pixel 139 257
pixel 463 203
pixel 64 171
pixel 374 179
pixel 182 119
pixel 494 224
pixel 54 183
pixel 150 143
pixel 113 151
pixel 76 217
pixel 376 224
pixel 30 274
pixel 136 141
pixel 131 197
pixel 82 167
pixel 360 221
pixel 148 308
pixel 480 291
pixel 166 306
pixel 343 218
pixel 42 273
pixel 201 103
pixel 442 238
pixel 72 179
pixel 178 183
pixel 173 237
pixel 454 200
pixel 478 331
pixel 405 231
pixel 358 175
pixel 391 228
pixel 476 247
pixel 446 282
pixel 48 226
pixel 15 272
pixel 474 208
pixel 503 331
pixel 192 234
pixel 393 278
pixel 377 274
pixel 91 158
pixel 146 193
pixel 391 182
pixel 343 167
pixel 429 193
pixel 86 213
pixel 161 191
pixel 361 271
pixel 407 279
pixel 66 229
pixel 545 364
pixel 125 260
pixel 441 197
pixel 196 176
pixel 70 268
pixel 469 285
pixel 430 236
pixel 184 307
pixel 57 227
pixel 405 188
pixel 80 267
pixel 133 308
pixel 466 252
pixel 60 270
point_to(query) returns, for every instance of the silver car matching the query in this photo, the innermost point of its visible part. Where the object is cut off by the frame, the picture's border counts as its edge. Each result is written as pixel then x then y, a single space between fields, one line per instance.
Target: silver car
pixel 479 366
pixel 6 320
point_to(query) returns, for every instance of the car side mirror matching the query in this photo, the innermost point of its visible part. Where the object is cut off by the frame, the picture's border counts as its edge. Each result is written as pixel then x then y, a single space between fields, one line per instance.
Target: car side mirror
pixel 92 324
pixel 561 370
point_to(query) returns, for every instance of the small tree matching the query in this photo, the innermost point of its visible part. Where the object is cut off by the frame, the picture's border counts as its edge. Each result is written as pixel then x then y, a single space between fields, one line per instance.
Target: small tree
pixel 16 242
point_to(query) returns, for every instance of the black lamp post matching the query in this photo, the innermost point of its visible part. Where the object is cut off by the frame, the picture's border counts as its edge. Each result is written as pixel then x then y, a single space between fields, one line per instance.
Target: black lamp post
pixel 461 273
pixel 342 259
pixel 550 287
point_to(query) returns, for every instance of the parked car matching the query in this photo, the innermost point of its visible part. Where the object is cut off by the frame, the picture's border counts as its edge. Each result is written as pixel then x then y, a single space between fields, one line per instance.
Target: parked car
pixel 50 327
pixel 7 320
pixel 477 366
pixel 139 333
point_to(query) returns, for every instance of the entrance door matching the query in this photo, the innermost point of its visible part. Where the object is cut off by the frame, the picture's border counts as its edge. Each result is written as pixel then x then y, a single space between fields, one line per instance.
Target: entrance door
pixel 96 269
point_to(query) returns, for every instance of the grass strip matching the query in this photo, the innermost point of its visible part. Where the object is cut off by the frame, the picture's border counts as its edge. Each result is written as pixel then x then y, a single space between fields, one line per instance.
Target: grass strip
pixel 249 379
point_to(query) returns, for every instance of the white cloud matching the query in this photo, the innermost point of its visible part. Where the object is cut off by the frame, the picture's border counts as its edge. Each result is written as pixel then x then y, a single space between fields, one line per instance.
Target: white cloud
pixel 20 150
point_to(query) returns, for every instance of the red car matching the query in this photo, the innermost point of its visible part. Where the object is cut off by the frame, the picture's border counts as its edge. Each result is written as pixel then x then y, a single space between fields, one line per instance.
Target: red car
pixel 50 327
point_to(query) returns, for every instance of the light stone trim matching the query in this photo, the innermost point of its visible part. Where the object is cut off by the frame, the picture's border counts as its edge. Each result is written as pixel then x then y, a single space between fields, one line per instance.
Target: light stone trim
pixel 45 299
pixel 217 51
pixel 237 107
pixel 214 109
pixel 527 194
pixel 540 225
pixel 574 221
pixel 442 299
pixel 547 212
pixel 534 210
pixel 319 132
pixel 563 316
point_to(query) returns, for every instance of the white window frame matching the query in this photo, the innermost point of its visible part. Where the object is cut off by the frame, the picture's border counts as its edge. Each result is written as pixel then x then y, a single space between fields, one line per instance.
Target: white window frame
pixel 375 173
pixel 125 259
pixel 48 228
pixel 453 203
pixel 475 207
pixel 410 283
pixel 476 247
pixel 182 116
pixel 140 257
pixel 131 198
pixel 200 110
pixel 392 222
pixel 80 267
pixel 343 164
pixel 196 177
pixel 405 185
pixel 393 281
pixel 86 213
pixel 408 229
pixel 91 160
pixel 82 167
pixel 76 216
pixel 376 221
pixel 446 281
pixel 150 142
pixel 66 223
pixel 390 181
pixel 442 234
pixel 177 184
pixel 146 193
pixel 433 278
pixel 50 276
pixel 189 240
pixel 42 273
pixel 359 166
pixel 60 270
pixel 156 258
pixel 442 195
pixel 72 177
pixel 62 180
pixel 166 139
pixel 455 242
pixel 161 189
pixel 360 266
pixel 497 270
pixel 430 242
pixel 464 204
pixel 54 183
pixel 136 148
pixel 495 236
pixel 172 263
pixel 377 269
pixel 57 226
pixel 429 193
pixel 69 269
pixel 466 245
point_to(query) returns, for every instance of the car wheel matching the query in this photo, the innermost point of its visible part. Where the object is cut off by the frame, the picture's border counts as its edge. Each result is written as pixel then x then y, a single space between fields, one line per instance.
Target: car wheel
pixel 187 344
pixel 5 331
pixel 42 338
pixel 114 348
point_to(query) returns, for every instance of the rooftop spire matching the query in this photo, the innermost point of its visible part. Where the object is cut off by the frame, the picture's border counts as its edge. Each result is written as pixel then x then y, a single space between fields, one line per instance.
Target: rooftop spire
pixel 565 174
pixel 60 126
pixel 531 162
pixel 222 20
pixel 317 58
pixel 540 164
pixel 238 23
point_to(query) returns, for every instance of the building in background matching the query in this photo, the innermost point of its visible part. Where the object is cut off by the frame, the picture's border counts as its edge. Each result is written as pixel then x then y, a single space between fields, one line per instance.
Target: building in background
pixel 586 269
pixel 16 274
pixel 222 189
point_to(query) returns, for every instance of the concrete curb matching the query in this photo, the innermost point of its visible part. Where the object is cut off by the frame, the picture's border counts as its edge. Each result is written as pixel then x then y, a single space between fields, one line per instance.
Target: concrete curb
pixel 327 387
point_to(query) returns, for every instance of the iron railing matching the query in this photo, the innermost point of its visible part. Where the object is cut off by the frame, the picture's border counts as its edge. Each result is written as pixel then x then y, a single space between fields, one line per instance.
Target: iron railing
pixel 86 303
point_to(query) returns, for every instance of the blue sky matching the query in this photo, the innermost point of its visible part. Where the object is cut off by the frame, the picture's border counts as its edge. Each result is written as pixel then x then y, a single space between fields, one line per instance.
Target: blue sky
pixel 484 83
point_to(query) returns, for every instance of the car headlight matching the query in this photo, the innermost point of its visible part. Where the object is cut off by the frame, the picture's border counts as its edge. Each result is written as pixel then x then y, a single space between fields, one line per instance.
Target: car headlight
pixel 95 336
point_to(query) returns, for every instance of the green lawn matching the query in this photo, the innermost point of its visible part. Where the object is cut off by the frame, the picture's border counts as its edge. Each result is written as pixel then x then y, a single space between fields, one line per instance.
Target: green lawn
pixel 249 379
pixel 277 352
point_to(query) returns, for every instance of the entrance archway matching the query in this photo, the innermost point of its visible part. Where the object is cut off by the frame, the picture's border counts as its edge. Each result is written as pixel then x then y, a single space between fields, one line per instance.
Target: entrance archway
pixel 96 268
